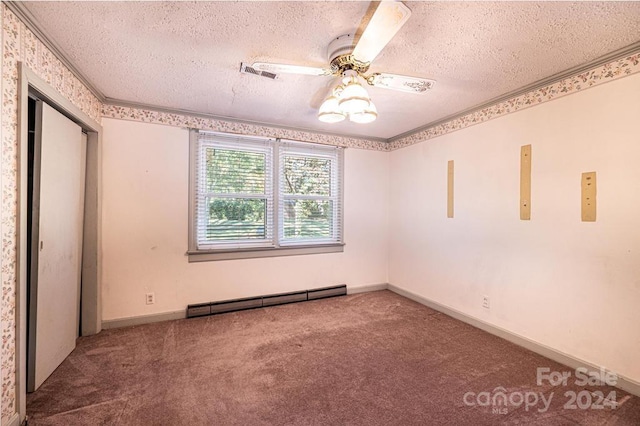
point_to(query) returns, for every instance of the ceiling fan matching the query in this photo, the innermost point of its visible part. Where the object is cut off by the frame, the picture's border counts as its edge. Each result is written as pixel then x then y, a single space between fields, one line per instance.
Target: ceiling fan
pixel 349 64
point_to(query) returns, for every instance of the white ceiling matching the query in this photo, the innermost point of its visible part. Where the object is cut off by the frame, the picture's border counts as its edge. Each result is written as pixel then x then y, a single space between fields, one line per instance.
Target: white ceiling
pixel 186 55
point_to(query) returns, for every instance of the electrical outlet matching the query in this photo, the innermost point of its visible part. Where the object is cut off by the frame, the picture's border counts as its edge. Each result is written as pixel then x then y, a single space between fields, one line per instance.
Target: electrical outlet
pixel 151 298
pixel 485 302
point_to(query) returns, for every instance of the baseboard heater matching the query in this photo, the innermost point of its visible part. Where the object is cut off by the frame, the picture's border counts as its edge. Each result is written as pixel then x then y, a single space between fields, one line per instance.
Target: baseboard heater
pixel 213 308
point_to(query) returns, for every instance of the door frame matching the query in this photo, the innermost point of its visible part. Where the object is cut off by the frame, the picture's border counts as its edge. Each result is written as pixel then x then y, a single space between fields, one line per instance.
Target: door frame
pixel 29 84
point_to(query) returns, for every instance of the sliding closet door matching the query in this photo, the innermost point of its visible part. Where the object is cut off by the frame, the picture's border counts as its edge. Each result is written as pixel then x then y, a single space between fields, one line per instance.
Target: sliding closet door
pixel 58 210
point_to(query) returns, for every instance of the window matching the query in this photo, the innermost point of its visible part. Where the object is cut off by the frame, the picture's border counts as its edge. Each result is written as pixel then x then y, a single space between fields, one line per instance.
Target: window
pixel 309 195
pixel 234 192
pixel 256 197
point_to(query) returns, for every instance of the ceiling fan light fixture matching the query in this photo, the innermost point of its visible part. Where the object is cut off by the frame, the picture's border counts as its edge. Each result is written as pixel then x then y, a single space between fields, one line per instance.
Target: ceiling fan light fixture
pixel 368 115
pixel 330 111
pixel 354 98
pixel 348 99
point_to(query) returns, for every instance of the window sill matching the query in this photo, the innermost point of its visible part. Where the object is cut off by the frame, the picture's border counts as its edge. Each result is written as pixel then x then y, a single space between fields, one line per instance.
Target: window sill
pixel 213 255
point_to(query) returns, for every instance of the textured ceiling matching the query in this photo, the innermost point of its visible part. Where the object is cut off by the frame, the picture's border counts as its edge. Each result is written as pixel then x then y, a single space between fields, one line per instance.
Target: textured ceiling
pixel 187 55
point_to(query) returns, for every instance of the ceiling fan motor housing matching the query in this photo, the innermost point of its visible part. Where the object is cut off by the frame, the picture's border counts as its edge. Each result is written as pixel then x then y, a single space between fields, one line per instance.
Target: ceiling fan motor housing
pixel 340 56
pixel 342 45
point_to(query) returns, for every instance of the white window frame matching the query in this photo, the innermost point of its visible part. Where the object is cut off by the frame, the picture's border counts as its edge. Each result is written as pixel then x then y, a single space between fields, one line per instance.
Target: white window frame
pixel 277 245
pixel 297 149
pixel 252 145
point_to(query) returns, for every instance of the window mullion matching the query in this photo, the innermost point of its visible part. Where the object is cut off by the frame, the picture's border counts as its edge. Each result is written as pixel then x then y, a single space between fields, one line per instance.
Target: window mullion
pixel 275 178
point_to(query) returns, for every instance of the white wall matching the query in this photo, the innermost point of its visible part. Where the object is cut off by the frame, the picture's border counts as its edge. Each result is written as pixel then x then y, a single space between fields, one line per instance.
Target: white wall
pixel 570 285
pixel 145 225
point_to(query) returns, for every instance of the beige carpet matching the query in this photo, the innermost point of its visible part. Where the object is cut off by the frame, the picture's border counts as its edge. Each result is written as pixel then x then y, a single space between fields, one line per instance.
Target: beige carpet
pixel 367 359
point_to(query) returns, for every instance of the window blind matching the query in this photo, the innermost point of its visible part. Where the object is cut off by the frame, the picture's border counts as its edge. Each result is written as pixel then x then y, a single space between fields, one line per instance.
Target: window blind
pixel 235 197
pixel 310 201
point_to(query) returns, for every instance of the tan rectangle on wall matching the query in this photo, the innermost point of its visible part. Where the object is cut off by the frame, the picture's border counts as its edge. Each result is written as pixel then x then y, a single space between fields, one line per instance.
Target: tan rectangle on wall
pixel 450 189
pixel 525 182
pixel 589 193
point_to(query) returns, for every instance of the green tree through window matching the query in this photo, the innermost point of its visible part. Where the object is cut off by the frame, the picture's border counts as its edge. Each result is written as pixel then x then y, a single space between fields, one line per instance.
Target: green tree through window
pixel 309 215
pixel 239 173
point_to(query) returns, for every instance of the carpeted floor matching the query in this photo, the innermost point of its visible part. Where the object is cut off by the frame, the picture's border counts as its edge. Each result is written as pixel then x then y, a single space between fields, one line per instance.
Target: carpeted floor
pixel 366 359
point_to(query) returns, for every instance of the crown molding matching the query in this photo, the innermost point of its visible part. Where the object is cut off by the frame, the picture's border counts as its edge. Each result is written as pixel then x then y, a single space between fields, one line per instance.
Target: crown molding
pixel 31 23
pixel 610 57
pixel 136 105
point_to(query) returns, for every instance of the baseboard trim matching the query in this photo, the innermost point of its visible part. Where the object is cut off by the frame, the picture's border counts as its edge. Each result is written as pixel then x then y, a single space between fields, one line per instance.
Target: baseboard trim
pixel 143 319
pixel 366 288
pixel 624 383
pixel 14 420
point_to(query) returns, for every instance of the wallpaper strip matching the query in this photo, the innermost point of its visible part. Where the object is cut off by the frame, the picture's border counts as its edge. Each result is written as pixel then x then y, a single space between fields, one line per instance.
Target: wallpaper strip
pixel 182 120
pixel 10 55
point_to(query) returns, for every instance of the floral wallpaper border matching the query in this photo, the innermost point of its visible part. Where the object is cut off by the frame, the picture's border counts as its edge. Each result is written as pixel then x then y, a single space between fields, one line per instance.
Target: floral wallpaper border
pixel 196 122
pixel 18 43
pixel 602 74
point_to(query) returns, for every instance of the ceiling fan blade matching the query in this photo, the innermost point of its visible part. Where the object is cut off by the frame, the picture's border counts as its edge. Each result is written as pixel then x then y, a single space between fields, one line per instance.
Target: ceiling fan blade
pixel 402 83
pixel 289 69
pixel 386 21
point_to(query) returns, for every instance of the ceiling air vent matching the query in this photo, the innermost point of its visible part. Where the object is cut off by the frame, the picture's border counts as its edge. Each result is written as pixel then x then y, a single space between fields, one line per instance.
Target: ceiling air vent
pixel 246 69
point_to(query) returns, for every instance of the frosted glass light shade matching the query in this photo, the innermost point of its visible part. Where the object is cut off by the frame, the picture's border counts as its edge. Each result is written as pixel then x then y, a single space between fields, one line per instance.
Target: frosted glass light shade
pixel 367 116
pixel 348 99
pixel 330 111
pixel 354 98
